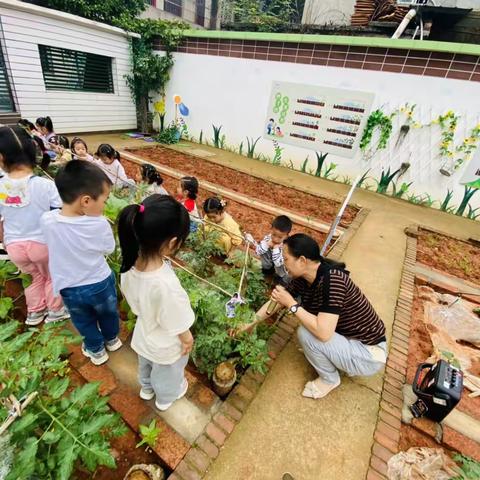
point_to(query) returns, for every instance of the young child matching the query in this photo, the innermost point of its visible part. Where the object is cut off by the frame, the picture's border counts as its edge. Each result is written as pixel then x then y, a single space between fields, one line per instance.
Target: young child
pixel 109 162
pixel 60 145
pixel 23 199
pixel 79 237
pixel 79 150
pixel 187 192
pixel 270 249
pixel 148 174
pixel 162 339
pixel 230 234
pixel 44 125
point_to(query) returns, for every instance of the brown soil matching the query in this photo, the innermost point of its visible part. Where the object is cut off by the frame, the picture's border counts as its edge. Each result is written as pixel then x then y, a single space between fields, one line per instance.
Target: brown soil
pixel 420 348
pixel 455 257
pixel 250 219
pixel 126 455
pixel 411 437
pixel 289 198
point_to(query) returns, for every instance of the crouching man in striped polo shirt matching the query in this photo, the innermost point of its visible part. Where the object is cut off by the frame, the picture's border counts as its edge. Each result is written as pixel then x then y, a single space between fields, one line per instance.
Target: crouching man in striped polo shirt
pixel 339 329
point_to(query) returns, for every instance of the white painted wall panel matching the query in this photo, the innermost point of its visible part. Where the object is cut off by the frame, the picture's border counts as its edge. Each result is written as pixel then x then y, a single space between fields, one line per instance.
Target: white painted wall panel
pixel 70 111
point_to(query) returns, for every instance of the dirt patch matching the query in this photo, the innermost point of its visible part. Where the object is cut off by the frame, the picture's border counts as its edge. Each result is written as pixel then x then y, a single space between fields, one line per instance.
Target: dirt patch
pixel 420 348
pixel 250 219
pixel 455 257
pixel 288 198
pixel 411 437
pixel 126 455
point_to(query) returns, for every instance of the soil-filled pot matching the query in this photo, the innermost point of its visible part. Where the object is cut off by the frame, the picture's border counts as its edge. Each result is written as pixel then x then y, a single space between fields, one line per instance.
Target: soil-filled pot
pixel 145 472
pixel 224 377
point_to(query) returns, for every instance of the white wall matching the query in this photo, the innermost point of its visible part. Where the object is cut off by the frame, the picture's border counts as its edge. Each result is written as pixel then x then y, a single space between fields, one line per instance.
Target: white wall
pixel 24 27
pixel 235 93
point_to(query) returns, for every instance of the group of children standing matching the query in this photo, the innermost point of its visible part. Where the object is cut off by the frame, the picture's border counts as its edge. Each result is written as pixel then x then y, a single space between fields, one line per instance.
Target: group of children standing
pixel 56 232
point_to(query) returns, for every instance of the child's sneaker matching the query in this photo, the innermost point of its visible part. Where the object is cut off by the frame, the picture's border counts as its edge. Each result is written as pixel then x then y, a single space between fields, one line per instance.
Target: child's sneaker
pixel 146 394
pixel 58 316
pixel 97 358
pixel 35 318
pixel 114 344
pixel 165 406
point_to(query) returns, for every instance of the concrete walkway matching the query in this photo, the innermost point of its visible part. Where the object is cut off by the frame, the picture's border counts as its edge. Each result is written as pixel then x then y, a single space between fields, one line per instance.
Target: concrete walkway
pixel 328 439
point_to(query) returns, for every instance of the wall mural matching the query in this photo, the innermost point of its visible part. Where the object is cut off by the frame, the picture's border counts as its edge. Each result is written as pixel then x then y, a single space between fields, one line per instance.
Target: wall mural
pixel 317 118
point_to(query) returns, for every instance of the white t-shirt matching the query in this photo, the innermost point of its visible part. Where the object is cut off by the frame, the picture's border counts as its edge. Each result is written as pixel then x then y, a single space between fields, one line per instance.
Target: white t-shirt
pixel 77 247
pixel 115 172
pixel 163 310
pixel 22 202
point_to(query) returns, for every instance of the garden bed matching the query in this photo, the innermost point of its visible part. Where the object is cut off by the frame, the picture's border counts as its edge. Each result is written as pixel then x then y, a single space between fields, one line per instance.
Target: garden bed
pixel 322 208
pixel 456 257
pixel 250 219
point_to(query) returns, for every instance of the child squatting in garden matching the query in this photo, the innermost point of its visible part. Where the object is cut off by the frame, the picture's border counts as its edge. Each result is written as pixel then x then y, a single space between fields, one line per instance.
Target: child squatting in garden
pixel 78 237
pixel 24 198
pixel 230 234
pixel 270 249
pixel 148 233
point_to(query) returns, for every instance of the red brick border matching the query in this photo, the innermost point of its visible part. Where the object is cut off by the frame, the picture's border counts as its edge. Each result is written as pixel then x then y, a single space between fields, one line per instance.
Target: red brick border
pixel 387 430
pixel 207 446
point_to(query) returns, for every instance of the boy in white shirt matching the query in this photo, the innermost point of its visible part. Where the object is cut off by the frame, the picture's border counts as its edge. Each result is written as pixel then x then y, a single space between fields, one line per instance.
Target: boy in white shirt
pixel 78 238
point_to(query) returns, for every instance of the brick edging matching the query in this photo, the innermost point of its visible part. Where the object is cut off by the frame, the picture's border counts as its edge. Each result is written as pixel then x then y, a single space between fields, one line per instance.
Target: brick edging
pixel 387 430
pixel 341 244
pixel 207 446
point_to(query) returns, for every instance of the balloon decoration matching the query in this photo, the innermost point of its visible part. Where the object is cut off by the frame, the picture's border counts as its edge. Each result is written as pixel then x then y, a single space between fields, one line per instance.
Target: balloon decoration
pixel 183 109
pixel 177 99
pixel 159 106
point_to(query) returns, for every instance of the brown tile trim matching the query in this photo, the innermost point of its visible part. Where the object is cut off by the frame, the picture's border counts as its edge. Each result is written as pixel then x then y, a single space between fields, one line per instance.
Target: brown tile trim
pixel 413 62
pixel 387 430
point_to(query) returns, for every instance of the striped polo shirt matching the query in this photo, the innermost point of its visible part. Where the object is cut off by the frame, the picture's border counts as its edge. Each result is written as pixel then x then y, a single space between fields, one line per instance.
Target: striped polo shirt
pixel 334 292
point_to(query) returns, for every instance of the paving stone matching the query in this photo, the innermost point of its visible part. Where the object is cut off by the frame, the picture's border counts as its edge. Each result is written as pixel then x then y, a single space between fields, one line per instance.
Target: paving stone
pixel 391 409
pixel 257 376
pixel 395 391
pixel 379 465
pixel 388 431
pixel 371 475
pixel 282 334
pixel 386 442
pixel 390 419
pixel 395 374
pixel 231 411
pixel 224 423
pixel 215 434
pixel 392 399
pixel 250 383
pixel 102 374
pixel 381 452
pixel 170 446
pixel 208 446
pixel 198 459
pixel 186 472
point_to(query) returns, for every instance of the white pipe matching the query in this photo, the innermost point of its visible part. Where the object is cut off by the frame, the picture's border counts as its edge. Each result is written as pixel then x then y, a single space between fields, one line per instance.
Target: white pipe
pixel 421 29
pixel 404 23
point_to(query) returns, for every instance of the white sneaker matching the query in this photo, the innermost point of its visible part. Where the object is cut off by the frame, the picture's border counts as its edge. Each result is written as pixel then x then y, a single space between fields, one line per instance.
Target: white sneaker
pixel 165 406
pixel 97 358
pixel 35 318
pixel 58 316
pixel 146 394
pixel 114 344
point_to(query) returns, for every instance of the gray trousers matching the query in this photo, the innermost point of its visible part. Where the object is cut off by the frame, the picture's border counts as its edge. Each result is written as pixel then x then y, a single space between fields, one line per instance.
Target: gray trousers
pixel 165 380
pixel 339 353
pixel 267 264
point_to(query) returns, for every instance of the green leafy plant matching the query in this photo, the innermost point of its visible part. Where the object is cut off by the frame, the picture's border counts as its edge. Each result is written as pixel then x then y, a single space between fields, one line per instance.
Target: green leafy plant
pixel 277 158
pixel 385 180
pixel 303 168
pixel 200 138
pixel 446 200
pixel 149 434
pixel 377 120
pixel 469 468
pixel 170 134
pixel 240 148
pixel 251 144
pixel 401 191
pixel 216 136
pixel 472 212
pixel 469 192
pixel 321 157
pixel 57 429
pixel 329 170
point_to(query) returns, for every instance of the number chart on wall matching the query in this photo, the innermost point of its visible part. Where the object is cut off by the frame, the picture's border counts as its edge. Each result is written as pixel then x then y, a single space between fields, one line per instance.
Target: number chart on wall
pixel 318 118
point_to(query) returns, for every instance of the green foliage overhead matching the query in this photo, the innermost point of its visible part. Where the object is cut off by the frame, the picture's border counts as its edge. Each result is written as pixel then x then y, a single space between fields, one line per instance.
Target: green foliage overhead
pixel 105 11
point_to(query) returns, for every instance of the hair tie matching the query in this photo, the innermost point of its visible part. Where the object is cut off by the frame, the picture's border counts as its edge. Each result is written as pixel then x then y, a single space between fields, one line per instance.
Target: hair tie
pixel 142 208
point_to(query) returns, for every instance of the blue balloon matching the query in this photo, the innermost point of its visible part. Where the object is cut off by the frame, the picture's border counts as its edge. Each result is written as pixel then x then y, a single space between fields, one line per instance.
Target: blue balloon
pixel 183 109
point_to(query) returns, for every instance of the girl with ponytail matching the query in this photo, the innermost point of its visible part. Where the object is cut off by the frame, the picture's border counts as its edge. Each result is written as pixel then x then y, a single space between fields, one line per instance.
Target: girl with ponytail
pixel 148 233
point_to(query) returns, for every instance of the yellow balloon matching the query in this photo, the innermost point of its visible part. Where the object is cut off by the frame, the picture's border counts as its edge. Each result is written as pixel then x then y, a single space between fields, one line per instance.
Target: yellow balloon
pixel 159 106
pixel 177 99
